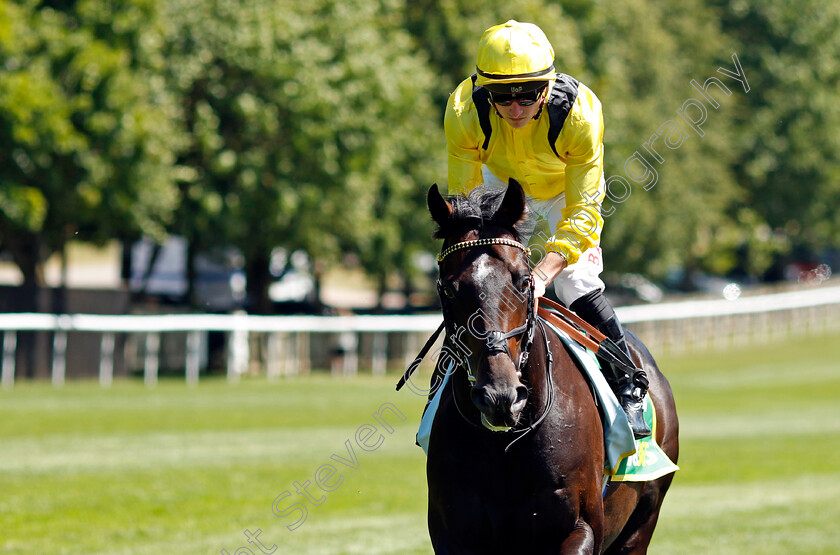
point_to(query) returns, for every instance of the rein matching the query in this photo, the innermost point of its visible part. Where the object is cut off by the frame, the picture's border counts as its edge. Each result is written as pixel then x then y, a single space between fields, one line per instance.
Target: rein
pixel 584 333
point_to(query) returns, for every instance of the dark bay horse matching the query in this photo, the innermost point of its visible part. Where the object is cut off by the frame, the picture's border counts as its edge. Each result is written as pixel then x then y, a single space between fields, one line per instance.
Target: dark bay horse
pixel 516 456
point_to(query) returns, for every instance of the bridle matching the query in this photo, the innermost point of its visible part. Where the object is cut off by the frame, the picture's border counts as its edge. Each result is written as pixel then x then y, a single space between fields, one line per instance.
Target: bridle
pixel 496 341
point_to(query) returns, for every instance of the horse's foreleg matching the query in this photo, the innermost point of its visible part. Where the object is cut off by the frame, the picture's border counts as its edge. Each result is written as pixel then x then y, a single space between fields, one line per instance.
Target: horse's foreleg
pixel 580 541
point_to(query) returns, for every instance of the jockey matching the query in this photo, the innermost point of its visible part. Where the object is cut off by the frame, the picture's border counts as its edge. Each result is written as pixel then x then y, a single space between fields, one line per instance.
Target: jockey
pixel 517 118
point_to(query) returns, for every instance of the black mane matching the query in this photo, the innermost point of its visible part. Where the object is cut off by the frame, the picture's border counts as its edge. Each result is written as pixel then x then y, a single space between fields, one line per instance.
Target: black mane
pixel 479 209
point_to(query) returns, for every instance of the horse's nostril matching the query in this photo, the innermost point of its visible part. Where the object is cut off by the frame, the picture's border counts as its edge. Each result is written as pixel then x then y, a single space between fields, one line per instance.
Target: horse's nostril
pixel 521 396
pixel 479 398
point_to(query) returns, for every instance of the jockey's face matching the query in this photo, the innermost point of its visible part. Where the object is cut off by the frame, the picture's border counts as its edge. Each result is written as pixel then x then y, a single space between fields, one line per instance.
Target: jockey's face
pixel 518 116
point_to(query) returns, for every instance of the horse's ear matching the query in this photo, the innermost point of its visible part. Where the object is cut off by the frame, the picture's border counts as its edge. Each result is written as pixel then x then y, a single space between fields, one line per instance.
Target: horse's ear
pixel 512 208
pixel 441 210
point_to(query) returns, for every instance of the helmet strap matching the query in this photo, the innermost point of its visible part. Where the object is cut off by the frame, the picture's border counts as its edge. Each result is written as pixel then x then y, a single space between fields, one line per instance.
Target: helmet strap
pixel 542 103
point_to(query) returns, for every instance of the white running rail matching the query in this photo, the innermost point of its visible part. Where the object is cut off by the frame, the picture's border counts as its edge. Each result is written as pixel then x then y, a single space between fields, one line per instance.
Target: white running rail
pixel 713 322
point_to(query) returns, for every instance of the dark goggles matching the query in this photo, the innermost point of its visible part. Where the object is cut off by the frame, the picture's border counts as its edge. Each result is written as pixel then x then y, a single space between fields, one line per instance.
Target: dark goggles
pixel 523 98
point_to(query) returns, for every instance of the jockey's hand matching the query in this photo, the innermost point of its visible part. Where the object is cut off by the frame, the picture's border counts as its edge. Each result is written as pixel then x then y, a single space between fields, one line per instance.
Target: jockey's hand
pixel 545 272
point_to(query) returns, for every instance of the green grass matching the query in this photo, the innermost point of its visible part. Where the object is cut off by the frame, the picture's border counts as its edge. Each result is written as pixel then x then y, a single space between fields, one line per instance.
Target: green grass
pixel 760 445
pixel 176 470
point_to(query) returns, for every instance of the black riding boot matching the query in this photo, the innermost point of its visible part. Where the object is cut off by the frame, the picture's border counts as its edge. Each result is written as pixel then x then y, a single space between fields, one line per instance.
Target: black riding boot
pixel 629 387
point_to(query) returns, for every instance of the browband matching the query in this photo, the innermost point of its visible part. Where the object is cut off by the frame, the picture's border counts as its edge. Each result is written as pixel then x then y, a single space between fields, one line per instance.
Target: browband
pixel 482 243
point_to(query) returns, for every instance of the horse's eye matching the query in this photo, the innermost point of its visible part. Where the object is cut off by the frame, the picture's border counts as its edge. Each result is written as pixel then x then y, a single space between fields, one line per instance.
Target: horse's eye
pixel 526 283
pixel 449 291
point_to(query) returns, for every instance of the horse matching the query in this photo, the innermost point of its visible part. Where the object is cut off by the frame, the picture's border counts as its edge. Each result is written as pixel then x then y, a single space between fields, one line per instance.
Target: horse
pixel 516 455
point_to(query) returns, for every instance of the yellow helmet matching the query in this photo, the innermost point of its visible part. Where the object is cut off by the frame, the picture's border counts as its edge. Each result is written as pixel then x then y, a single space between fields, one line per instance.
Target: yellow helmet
pixel 515 55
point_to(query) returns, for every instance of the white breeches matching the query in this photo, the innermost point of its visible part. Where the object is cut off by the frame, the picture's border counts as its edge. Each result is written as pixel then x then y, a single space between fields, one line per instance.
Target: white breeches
pixel 577 279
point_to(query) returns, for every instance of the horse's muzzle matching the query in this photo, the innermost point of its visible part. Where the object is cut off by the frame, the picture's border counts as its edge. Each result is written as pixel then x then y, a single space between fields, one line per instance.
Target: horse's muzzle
pixel 500 406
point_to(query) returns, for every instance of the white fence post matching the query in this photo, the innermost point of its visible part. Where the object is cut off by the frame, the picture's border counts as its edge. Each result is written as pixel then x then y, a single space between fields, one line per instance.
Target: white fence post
pixel 152 359
pixel 239 354
pixel 106 360
pixel 193 357
pixel 273 351
pixel 411 347
pixel 59 361
pixel 291 364
pixel 379 356
pixel 9 348
pixel 349 342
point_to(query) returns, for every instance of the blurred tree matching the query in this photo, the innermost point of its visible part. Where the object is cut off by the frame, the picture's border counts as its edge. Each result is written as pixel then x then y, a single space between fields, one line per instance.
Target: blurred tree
pixel 666 201
pixel 789 127
pixel 309 124
pixel 88 128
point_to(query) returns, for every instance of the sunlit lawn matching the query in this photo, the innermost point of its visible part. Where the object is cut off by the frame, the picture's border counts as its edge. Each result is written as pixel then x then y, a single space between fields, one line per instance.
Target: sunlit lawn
pixel 181 470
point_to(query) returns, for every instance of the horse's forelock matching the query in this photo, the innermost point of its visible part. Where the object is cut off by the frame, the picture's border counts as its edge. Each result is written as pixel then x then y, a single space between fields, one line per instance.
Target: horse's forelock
pixel 478 209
